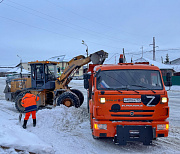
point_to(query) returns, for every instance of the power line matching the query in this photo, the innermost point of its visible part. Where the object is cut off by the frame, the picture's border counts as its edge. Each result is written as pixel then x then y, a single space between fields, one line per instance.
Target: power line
pixel 140 52
pixel 112 56
pixel 38 27
pixel 55 21
pixel 73 12
pixel 54 32
pixel 109 37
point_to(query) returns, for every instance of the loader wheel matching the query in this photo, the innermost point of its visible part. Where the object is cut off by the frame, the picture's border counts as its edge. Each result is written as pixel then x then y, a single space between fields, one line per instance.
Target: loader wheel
pixel 79 94
pixel 68 99
pixel 18 102
pixel 15 94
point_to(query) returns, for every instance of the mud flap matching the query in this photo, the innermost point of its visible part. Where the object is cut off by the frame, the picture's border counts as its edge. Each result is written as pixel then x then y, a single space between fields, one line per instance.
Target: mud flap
pixel 134 133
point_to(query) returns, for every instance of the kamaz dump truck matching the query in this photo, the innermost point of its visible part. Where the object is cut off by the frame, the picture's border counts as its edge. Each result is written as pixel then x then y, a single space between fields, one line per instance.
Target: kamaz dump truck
pixel 127 102
pixel 53 90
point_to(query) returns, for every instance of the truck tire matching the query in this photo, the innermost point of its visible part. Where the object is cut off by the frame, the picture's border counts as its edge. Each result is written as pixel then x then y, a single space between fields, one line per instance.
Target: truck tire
pixel 95 137
pixel 68 99
pixel 79 94
pixel 18 105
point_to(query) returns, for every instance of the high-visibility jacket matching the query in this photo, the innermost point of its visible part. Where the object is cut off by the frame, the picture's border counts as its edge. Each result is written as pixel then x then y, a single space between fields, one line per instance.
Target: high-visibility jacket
pixel 29 102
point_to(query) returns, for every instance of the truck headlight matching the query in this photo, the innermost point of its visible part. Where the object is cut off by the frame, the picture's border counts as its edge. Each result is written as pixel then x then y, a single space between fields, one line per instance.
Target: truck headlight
pixel 164 100
pixel 100 126
pixel 102 100
pixel 163 127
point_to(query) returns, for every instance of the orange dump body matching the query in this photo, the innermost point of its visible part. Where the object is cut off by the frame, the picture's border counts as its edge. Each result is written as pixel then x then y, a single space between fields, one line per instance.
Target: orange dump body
pixel 131 112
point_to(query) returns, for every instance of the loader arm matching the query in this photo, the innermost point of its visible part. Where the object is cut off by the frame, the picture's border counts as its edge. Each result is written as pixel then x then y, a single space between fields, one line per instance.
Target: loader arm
pixel 75 64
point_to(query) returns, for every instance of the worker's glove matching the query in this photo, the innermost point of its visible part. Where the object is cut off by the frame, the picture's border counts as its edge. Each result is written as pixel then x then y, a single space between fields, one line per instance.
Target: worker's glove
pixel 37 95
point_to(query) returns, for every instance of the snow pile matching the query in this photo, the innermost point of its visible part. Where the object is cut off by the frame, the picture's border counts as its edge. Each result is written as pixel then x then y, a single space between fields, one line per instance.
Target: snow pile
pixel 12 135
pixel 62 118
pixel 67 130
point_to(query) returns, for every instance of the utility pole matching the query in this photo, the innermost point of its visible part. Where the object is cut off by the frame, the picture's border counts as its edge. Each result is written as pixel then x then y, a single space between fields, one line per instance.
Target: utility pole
pixel 142 51
pixel 154 47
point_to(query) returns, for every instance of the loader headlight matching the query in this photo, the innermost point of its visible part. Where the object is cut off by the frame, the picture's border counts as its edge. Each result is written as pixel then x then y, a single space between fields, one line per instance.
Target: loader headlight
pixel 163 127
pixel 100 126
pixel 164 100
pixel 102 100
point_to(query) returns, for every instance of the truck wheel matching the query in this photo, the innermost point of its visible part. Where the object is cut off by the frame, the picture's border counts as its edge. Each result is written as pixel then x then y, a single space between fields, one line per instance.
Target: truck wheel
pixel 18 102
pixel 79 94
pixel 95 137
pixel 68 99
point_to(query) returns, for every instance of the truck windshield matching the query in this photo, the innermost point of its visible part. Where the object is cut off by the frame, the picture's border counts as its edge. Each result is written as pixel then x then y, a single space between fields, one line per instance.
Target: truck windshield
pixel 129 80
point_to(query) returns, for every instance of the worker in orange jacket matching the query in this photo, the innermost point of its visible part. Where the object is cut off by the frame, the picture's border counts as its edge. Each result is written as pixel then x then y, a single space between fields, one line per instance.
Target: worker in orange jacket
pixel 29 103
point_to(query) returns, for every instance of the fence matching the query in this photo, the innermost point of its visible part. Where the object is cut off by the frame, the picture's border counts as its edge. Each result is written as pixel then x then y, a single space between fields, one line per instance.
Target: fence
pixel 175 80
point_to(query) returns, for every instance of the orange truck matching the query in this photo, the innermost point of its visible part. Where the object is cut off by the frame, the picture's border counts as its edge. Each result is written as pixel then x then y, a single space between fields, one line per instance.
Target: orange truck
pixel 127 102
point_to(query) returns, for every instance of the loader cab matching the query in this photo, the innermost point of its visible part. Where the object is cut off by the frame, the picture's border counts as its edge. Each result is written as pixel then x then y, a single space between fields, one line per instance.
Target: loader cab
pixel 43 74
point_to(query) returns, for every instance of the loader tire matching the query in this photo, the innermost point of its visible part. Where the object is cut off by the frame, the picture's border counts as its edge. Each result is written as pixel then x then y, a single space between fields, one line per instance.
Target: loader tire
pixel 15 94
pixel 18 102
pixel 68 99
pixel 18 99
pixel 79 94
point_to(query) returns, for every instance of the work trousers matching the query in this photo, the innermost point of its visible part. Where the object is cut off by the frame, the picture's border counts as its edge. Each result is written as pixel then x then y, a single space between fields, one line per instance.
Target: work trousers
pixel 29 113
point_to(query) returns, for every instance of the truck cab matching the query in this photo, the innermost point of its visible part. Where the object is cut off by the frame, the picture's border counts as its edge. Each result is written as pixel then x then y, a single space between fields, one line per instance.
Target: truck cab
pixel 127 102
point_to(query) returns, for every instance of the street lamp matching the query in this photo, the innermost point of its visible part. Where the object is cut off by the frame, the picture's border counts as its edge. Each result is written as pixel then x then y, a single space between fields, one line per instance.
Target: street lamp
pixel 86 49
pixel 86 46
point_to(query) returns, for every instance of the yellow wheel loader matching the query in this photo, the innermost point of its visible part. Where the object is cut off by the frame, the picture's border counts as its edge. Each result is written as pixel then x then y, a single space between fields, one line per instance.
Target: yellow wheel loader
pixel 53 90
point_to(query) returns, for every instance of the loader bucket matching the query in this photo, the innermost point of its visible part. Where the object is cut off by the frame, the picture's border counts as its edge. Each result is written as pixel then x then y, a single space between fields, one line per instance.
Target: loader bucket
pixel 99 57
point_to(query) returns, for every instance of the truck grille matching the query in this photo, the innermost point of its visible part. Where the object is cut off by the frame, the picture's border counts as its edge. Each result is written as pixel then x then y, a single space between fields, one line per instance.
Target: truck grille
pixel 117 115
pixel 131 110
pixel 132 113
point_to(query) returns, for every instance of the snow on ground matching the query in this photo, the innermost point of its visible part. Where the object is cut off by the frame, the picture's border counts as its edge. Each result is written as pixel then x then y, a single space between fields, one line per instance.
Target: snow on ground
pixel 67 130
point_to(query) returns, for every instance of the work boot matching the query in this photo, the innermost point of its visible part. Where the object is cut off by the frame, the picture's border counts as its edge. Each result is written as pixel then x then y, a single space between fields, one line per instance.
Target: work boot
pixel 24 125
pixel 34 122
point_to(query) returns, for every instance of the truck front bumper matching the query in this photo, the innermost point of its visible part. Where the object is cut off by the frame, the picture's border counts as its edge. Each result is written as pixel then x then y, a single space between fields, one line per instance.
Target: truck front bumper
pixel 114 128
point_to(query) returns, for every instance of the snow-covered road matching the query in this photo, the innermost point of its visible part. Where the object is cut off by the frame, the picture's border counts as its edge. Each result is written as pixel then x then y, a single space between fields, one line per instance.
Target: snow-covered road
pixel 67 130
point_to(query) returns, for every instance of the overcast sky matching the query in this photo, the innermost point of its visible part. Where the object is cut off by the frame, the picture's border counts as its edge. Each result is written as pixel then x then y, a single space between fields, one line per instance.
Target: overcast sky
pixel 39 30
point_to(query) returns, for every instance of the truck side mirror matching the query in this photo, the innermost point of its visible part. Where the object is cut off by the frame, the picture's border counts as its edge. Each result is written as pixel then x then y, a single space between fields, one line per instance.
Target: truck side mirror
pixel 168 79
pixel 59 69
pixel 86 78
pixel 97 73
